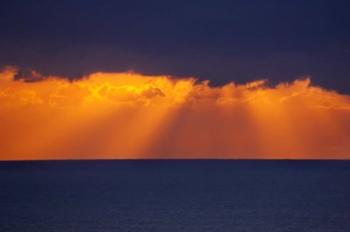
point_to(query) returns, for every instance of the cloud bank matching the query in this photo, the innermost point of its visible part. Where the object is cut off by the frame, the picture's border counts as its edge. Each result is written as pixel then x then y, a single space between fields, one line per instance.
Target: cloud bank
pixel 130 115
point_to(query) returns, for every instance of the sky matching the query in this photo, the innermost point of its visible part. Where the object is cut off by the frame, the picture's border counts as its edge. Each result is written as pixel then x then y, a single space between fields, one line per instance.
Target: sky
pixel 221 41
pixel 174 79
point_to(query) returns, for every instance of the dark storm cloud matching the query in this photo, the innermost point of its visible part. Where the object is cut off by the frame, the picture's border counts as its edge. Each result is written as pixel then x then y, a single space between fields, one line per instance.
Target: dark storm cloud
pixel 216 40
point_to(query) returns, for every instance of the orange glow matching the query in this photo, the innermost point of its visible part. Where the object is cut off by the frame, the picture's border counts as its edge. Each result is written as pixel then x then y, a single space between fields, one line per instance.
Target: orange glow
pixel 129 115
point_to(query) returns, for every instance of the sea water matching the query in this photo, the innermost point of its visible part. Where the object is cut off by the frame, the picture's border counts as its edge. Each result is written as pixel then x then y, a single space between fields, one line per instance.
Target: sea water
pixel 175 195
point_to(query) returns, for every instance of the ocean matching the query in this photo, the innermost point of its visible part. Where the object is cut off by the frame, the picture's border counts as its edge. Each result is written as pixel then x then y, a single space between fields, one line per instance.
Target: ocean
pixel 175 195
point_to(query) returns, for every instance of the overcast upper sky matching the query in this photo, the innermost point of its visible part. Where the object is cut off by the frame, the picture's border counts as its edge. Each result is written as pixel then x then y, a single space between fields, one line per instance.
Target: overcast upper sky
pixel 218 40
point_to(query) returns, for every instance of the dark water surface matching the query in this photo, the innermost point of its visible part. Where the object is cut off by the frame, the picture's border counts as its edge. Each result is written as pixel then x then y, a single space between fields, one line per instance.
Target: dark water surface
pixel 169 195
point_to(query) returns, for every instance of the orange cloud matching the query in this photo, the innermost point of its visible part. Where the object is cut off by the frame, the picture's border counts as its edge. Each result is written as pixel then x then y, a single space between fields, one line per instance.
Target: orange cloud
pixel 129 115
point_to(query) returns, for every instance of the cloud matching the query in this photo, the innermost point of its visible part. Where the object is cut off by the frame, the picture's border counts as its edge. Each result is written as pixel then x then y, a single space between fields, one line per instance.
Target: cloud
pixel 28 75
pixel 130 115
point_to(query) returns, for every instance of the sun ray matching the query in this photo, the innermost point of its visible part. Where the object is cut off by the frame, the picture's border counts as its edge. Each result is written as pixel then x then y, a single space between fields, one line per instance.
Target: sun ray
pixel 130 115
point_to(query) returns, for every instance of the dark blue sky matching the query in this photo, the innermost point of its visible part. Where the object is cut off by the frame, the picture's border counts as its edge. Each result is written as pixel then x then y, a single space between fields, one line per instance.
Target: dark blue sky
pixel 216 40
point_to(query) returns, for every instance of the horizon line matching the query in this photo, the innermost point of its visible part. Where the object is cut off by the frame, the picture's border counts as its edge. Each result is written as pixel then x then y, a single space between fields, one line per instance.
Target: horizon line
pixel 175 159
